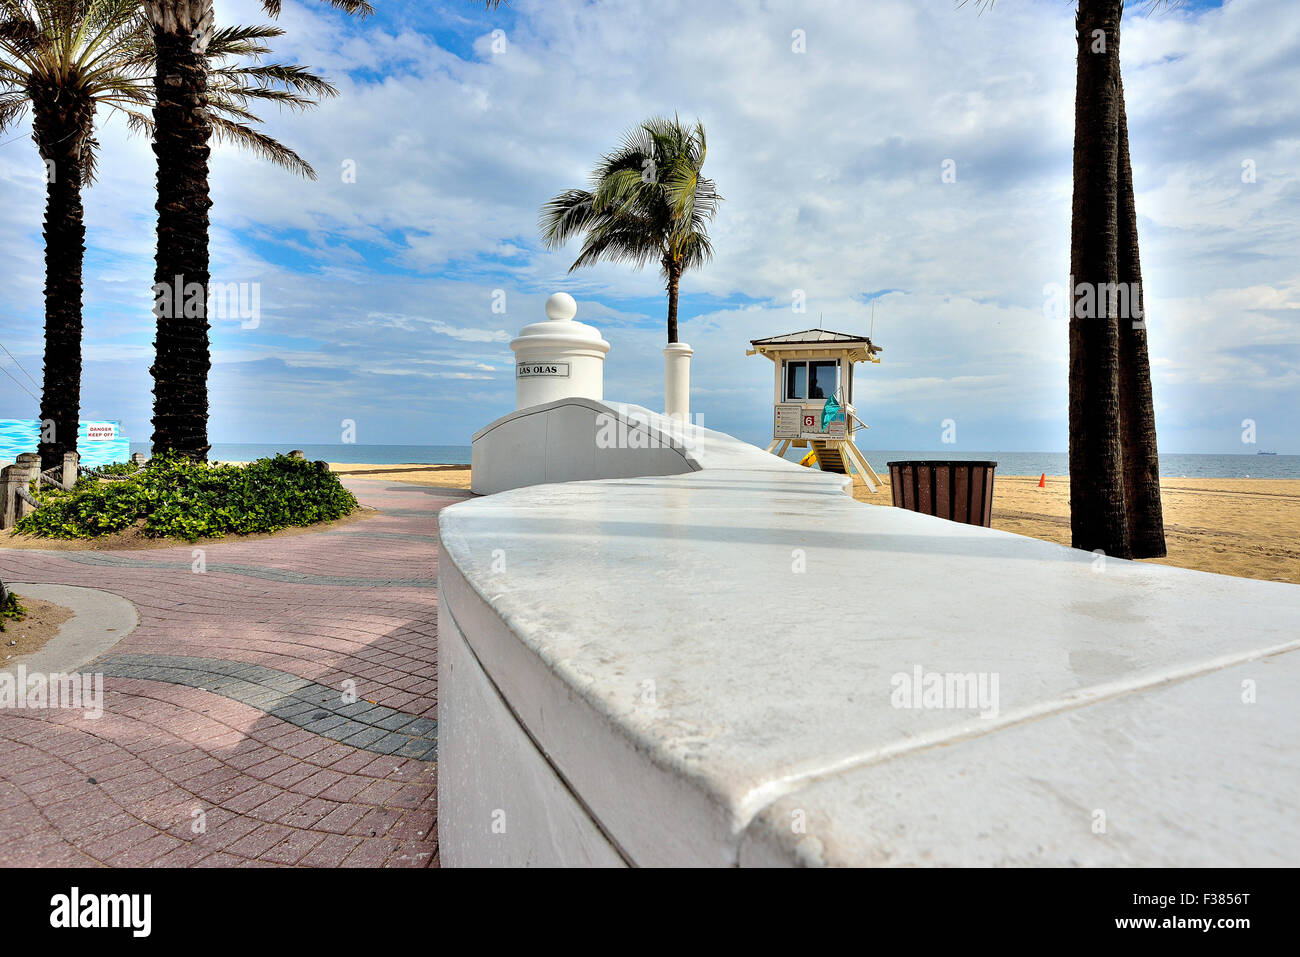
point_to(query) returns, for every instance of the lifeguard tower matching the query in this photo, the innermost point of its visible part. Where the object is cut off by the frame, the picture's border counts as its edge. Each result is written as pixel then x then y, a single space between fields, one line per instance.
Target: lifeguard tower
pixel 814 397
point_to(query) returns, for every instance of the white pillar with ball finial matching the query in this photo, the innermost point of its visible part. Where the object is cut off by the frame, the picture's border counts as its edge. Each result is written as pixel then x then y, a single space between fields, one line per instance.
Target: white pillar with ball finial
pixel 559 358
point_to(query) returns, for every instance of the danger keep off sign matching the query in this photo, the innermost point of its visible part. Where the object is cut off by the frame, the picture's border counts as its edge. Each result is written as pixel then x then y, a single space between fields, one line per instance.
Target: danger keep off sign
pixel 100 431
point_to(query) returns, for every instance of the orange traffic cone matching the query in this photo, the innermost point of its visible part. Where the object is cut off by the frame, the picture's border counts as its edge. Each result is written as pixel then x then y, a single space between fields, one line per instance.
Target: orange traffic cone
pixel 1042 482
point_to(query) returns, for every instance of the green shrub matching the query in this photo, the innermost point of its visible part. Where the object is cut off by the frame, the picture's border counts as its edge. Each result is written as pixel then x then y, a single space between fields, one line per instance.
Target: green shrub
pixel 11 609
pixel 175 497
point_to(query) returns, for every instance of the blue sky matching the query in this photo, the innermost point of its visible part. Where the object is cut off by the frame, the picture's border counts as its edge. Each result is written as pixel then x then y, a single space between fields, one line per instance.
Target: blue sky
pixel 377 295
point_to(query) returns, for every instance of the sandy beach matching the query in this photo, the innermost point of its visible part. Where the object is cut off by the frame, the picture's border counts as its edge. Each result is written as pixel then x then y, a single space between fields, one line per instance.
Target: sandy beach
pixel 1244 527
pixel 448 476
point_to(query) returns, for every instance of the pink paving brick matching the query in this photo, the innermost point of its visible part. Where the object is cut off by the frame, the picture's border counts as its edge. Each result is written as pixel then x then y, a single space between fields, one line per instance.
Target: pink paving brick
pixel 259 841
pixel 318 782
pixel 371 852
pixel 293 848
pixel 76 792
pixel 342 819
pixel 331 851
pixel 186 855
pixel 376 823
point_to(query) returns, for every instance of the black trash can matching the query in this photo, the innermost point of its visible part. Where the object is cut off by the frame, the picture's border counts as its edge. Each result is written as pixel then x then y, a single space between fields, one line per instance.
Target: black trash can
pixel 957 491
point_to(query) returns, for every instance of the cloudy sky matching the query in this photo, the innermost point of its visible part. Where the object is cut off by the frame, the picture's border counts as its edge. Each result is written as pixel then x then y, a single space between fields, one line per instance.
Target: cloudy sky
pixel 377 295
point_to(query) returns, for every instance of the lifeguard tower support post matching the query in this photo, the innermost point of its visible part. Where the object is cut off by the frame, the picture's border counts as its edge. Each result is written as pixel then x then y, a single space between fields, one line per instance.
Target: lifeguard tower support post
pixel 813 366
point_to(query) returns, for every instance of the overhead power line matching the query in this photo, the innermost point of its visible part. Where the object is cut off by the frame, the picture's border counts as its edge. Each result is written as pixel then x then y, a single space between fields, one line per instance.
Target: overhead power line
pixel 19 365
pixel 19 383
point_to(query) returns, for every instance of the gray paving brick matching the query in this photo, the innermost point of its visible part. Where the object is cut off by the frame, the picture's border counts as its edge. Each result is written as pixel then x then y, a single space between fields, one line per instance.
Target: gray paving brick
pixel 356 709
pixel 390 743
pixel 292 707
pixel 326 725
pixel 422 727
pixel 365 736
pixel 286 682
pixel 394 720
pixel 417 748
pixel 306 704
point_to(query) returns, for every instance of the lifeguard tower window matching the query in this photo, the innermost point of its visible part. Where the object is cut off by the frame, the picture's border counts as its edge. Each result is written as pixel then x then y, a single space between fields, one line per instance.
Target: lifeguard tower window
pixel 811 380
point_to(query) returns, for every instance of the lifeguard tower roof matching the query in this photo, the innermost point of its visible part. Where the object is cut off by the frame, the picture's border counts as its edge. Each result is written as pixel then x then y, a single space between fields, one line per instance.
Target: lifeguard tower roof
pixel 821 338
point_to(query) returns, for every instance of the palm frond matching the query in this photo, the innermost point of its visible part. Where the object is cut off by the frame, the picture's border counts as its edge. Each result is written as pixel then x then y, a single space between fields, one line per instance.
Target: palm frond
pixel 267 147
pixel 292 85
pixel 360 8
pixel 242 40
pixel 69 56
pixel 565 216
pixel 623 240
pixel 648 202
pixel 12 109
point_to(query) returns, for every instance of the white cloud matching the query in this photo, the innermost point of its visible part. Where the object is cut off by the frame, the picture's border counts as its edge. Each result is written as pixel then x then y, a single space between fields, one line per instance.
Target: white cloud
pixel 830 163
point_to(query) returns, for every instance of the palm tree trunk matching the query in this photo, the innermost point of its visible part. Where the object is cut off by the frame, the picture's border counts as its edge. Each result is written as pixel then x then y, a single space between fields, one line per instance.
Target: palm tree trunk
pixel 60 129
pixel 181 133
pixel 1098 517
pixel 674 279
pixel 1136 408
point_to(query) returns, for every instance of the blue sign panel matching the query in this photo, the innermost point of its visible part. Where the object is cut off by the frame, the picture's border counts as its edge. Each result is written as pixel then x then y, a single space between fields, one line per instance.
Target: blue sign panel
pixel 100 443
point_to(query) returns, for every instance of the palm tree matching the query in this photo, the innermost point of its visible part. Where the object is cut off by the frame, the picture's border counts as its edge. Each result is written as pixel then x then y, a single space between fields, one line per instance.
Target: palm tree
pixel 183 123
pixel 62 60
pixel 65 58
pixel 1137 406
pixel 647 202
pixel 1114 465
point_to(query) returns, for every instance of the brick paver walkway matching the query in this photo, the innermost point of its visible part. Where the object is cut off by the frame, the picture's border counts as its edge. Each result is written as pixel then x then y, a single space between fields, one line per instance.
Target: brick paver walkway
pixel 228 736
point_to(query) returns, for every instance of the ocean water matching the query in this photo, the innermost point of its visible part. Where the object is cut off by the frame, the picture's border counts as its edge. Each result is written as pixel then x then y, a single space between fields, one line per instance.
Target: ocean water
pixel 1009 463
pixel 374 454
pixel 1172 465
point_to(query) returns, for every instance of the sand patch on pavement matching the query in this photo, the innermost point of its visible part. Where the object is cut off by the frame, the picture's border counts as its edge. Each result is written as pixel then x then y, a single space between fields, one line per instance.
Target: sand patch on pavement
pixel 41 624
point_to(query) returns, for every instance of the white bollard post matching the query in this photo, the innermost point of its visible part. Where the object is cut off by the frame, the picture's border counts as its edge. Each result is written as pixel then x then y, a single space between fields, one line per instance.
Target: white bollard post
pixel 12 478
pixel 70 462
pixel 28 466
pixel 677 380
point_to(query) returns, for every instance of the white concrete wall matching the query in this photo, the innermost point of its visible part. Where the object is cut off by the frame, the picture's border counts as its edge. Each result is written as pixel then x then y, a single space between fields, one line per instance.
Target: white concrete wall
pixel 567 441
pixel 500 802
pixel 707 662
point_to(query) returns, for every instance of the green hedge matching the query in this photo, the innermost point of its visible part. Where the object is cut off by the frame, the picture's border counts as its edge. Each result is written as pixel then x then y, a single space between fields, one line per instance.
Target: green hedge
pixel 118 468
pixel 179 498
